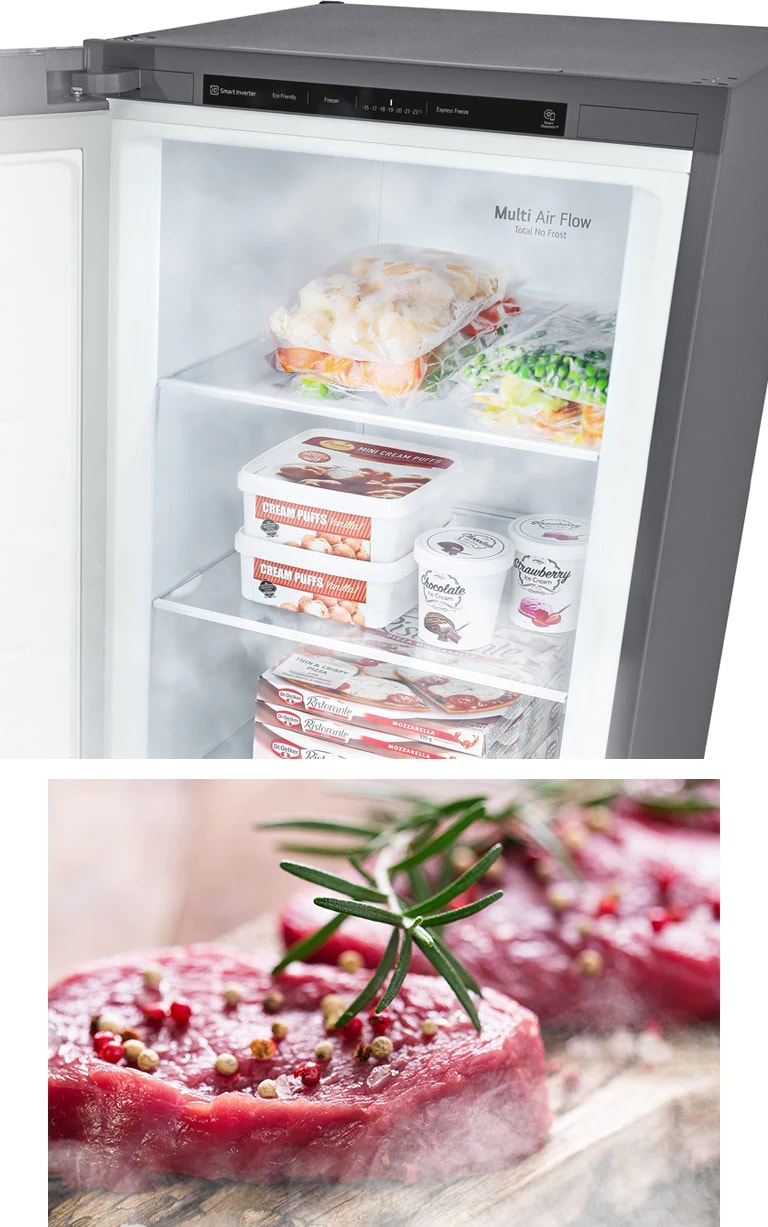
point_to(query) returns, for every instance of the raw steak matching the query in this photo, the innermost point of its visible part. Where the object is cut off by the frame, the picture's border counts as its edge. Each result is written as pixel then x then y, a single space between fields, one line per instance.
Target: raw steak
pixel 439 1107
pixel 635 939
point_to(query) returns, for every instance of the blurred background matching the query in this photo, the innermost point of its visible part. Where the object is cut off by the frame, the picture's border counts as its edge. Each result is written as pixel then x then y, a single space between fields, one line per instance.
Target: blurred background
pixel 203 870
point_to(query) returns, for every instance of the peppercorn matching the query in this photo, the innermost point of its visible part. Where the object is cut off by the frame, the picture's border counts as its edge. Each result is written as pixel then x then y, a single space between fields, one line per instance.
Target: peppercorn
pixel 263 1050
pixel 352 1030
pixel 309 1072
pixel 181 1012
pixel 350 960
pixel 106 1022
pixel 380 1022
pixel 659 918
pixel 574 838
pixel 607 904
pixel 130 1033
pixel 111 1052
pixel 274 1001
pixel 559 898
pixel 381 1047
pixel 148 1060
pixel 154 1014
pixel 324 1050
pixel 227 1064
pixel 332 1004
pixel 131 1050
pixel 279 1030
pixel 153 976
pixel 599 818
pixel 103 1037
pixel 267 1089
pixel 429 1028
pixel 232 994
pixel 589 962
pixel 362 1052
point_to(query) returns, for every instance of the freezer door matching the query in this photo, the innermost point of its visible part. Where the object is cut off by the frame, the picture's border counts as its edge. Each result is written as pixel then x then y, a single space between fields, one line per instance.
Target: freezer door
pixel 54 220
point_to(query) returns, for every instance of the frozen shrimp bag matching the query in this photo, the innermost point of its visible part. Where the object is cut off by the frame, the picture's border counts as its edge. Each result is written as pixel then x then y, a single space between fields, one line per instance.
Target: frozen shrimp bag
pixel 377 322
pixel 550 378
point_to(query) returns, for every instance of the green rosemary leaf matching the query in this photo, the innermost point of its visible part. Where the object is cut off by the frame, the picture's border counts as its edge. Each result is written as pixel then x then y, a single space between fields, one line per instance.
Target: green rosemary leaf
pixel 457 887
pixel 461 913
pixel 419 884
pixel 540 832
pixel 447 971
pixel 308 945
pixel 399 974
pixel 434 814
pixel 367 995
pixel 324 850
pixel 357 864
pixel 318 824
pixel 365 910
pixel 465 976
pixel 431 847
pixel 331 882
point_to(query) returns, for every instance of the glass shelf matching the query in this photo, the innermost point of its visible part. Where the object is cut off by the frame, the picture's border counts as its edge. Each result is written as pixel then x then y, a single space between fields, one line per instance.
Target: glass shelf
pixel 243 375
pixel 516 660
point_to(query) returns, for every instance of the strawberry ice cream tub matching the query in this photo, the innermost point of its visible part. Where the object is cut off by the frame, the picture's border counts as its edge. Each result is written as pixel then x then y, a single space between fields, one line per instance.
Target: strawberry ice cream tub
pixel 348 592
pixel 346 495
pixel 547 571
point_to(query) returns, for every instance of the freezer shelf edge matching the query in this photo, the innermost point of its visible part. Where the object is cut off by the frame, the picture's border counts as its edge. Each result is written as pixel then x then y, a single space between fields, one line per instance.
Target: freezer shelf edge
pixel 222 581
pixel 241 375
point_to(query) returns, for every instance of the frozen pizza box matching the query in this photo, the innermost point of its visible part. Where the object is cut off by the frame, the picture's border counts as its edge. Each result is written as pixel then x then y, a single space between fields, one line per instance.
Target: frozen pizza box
pixel 374 696
pixel 345 495
pixel 275 743
pixel 351 739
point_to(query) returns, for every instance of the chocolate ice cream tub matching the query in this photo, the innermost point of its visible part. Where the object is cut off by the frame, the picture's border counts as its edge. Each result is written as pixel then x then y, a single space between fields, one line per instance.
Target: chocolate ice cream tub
pixel 462 570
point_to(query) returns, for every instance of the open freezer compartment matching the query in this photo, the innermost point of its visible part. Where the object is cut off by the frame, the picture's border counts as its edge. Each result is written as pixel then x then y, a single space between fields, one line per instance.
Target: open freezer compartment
pixel 547 417
pixel 216 664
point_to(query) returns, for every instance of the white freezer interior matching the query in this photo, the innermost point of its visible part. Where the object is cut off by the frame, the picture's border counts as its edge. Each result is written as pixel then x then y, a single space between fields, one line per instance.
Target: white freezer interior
pixel 231 230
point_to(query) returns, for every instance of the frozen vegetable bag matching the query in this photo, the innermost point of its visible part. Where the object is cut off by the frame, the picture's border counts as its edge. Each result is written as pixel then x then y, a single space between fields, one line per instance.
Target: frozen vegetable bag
pixel 551 380
pixel 378 321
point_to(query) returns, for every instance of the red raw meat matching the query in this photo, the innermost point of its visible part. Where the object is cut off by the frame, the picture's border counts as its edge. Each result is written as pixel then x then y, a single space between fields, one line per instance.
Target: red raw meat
pixel 439 1107
pixel 532 943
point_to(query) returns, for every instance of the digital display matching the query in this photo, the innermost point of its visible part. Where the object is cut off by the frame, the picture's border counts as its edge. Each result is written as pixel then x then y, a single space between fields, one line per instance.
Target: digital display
pixel 526 116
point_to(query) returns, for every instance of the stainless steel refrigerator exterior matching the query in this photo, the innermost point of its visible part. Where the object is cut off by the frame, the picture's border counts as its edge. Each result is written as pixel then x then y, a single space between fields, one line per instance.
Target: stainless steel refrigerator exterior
pixel 697 88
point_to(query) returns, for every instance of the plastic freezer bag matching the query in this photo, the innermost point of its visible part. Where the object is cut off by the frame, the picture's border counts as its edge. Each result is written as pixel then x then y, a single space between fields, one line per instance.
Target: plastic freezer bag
pixel 389 304
pixel 550 379
pixel 320 374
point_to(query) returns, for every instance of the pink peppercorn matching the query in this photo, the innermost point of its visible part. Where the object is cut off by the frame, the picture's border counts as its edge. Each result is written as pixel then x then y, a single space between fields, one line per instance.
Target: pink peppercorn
pixel 309 1072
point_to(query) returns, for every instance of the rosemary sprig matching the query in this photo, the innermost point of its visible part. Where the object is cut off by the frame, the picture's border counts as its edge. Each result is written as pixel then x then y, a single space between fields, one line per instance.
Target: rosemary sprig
pixel 403 857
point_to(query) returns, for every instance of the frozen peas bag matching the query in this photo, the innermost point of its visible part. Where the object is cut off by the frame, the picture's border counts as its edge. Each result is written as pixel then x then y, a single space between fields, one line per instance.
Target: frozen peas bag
pixel 378 321
pixel 550 378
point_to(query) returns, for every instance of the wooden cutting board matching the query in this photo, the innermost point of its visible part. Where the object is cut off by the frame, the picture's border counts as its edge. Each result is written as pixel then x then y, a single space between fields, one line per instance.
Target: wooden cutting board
pixel 635 1141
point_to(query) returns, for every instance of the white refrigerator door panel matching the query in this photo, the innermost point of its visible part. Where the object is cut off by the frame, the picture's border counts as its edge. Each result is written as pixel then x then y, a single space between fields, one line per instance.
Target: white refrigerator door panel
pixel 51 168
pixel 659 179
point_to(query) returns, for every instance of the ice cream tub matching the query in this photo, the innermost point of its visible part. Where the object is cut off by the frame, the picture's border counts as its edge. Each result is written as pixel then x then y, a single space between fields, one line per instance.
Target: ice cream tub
pixel 325 586
pixel 347 495
pixel 547 572
pixel 461 579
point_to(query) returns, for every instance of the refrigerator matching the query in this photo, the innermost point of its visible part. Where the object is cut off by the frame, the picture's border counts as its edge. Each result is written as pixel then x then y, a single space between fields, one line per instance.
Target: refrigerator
pixel 179 208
